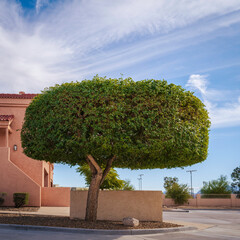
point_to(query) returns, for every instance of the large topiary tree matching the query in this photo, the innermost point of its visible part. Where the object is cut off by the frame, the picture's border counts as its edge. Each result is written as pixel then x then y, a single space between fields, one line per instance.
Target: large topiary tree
pixel 116 123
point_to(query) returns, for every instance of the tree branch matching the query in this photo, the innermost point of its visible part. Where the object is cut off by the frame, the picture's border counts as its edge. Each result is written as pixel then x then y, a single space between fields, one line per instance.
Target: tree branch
pixel 92 168
pixel 107 168
pixel 93 163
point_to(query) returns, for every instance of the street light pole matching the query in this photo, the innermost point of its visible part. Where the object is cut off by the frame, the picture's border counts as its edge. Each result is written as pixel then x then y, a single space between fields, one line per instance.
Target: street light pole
pixel 191 180
pixel 140 181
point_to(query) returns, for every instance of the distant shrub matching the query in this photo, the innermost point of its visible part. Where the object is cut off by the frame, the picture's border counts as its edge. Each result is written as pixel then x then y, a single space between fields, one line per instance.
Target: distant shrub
pixel 2 198
pixel 178 192
pixel 20 199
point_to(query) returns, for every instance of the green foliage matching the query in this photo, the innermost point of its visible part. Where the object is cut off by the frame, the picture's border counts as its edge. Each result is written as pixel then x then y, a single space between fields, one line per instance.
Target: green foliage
pixel 145 124
pixel 2 198
pixel 169 181
pixel 236 181
pixel 178 192
pixel 127 185
pixel 20 199
pixel 219 186
pixel 112 180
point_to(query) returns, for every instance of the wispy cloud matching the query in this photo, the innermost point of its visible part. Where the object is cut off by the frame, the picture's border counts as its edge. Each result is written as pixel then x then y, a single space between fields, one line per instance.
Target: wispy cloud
pixel 40 4
pixel 221 116
pixel 70 39
pixel 198 82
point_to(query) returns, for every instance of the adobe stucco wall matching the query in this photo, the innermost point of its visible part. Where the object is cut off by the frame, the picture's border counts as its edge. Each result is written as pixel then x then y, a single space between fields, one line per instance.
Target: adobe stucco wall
pixel 46 166
pixel 116 205
pixel 19 173
pixel 14 178
pixel 56 196
pixel 17 107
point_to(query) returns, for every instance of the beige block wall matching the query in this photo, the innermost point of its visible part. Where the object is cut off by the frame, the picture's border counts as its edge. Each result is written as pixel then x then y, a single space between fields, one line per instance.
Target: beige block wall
pixel 215 202
pixel 206 202
pixel 56 196
pixel 235 200
pixel 116 205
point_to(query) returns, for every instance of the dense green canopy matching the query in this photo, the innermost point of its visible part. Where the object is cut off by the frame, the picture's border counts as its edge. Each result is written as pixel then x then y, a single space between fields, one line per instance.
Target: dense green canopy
pixel 145 124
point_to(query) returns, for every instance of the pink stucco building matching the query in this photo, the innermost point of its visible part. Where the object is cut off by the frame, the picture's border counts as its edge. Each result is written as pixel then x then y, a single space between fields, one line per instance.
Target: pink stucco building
pixel 19 173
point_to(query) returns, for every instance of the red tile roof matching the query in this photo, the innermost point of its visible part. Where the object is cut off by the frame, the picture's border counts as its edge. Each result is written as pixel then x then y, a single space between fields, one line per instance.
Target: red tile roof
pixel 6 117
pixel 22 96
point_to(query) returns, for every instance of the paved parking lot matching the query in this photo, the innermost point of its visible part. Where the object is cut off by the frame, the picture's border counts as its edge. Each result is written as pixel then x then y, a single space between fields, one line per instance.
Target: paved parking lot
pixel 212 224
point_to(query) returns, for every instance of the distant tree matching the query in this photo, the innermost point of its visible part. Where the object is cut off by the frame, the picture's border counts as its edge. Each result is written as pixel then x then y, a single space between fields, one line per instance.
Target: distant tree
pixel 127 185
pixel 219 186
pixel 169 181
pixel 178 192
pixel 116 123
pixel 112 180
pixel 236 181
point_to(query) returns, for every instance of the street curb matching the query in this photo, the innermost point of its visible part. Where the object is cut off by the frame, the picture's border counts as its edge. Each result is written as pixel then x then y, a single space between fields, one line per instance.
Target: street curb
pixel 95 231
pixel 212 209
pixel 184 211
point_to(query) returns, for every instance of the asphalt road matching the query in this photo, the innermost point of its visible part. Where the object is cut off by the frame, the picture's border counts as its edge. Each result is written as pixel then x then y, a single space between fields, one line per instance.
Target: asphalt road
pixel 212 224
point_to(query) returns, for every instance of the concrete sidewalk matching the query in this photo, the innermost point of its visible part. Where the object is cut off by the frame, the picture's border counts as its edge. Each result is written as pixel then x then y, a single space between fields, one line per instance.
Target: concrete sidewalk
pixel 51 211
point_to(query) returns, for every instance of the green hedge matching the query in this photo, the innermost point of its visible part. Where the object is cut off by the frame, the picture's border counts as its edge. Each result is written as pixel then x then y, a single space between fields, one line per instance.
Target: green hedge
pixel 20 199
pixel 2 198
pixel 216 196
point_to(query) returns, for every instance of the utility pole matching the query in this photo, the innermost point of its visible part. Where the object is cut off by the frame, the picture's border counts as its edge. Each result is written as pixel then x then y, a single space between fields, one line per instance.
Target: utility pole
pixel 191 180
pixel 140 181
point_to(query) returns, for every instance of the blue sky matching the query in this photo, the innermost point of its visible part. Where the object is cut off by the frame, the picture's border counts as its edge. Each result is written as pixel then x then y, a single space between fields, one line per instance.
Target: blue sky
pixel 194 44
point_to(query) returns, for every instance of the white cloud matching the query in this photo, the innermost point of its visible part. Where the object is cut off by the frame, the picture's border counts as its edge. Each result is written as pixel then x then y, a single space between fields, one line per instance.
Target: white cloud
pixel 227 116
pixel 73 39
pixel 40 4
pixel 221 116
pixel 199 82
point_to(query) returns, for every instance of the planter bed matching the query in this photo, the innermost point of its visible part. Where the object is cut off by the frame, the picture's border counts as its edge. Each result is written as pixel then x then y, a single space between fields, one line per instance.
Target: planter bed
pixel 55 221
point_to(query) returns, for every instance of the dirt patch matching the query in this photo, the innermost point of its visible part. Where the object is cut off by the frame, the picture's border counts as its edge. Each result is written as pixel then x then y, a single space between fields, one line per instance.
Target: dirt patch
pixel 55 221
pixel 22 209
pixel 200 208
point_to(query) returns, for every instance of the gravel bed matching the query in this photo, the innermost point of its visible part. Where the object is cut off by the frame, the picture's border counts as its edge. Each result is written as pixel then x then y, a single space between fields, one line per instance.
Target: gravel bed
pixel 55 221
pixel 22 209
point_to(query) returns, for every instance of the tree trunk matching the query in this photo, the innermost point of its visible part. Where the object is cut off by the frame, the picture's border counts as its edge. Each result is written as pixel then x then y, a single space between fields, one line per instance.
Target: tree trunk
pixel 98 177
pixel 92 200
